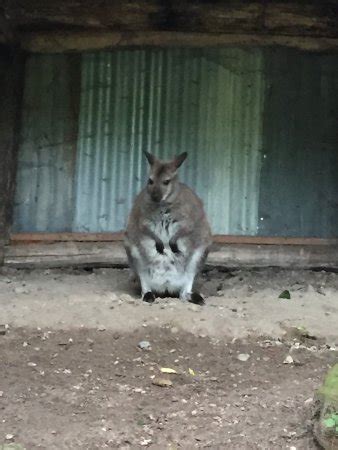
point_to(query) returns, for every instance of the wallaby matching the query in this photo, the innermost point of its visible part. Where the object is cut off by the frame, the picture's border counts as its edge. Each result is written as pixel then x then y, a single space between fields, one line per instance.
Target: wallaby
pixel 168 235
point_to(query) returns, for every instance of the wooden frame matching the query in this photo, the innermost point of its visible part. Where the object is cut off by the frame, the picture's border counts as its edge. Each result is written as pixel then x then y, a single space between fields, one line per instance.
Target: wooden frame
pixel 60 26
pixel 110 253
pixel 11 82
pixel 61 42
pixel 116 237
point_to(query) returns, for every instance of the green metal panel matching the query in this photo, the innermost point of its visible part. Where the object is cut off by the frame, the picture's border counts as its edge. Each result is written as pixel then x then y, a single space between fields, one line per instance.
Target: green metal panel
pixel 299 184
pixel 45 176
pixel 260 127
pixel 206 102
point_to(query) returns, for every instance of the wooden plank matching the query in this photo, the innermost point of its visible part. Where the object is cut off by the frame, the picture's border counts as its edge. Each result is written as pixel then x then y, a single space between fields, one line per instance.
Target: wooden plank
pixel 11 78
pixel 66 237
pixel 297 18
pixel 111 237
pixel 60 42
pixel 112 254
pixel 63 254
pixel 278 240
pixel 287 257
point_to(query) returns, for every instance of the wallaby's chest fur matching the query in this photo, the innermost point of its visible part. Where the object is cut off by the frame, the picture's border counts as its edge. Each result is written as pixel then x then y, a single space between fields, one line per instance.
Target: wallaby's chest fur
pixel 163 224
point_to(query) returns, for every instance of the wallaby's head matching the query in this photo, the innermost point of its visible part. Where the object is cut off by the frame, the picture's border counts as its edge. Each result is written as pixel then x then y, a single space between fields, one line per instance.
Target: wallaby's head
pixel 163 180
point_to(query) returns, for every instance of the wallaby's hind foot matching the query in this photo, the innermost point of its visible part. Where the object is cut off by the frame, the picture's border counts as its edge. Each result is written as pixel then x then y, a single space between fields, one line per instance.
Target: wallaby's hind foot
pixel 149 297
pixel 197 299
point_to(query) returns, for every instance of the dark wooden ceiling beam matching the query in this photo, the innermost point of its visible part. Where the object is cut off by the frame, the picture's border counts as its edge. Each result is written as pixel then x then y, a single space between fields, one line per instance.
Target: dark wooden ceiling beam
pixel 294 18
pixel 61 42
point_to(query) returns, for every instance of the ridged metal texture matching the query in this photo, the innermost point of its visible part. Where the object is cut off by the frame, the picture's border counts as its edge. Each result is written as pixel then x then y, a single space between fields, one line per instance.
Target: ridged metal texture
pixel 260 127
pixel 208 103
pixel 299 182
pixel 44 193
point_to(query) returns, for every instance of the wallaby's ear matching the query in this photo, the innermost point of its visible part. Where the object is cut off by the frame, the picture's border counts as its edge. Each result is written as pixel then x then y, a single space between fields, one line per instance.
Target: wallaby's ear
pixel 178 161
pixel 151 158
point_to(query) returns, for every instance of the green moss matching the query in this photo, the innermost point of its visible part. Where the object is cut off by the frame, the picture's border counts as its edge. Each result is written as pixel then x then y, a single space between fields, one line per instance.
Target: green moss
pixel 329 389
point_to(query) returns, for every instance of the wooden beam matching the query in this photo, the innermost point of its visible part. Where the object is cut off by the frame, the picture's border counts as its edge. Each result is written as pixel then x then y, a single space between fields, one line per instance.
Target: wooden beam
pixel 65 237
pixel 270 240
pixel 20 238
pixel 11 76
pixel 62 41
pixel 92 254
pixel 293 18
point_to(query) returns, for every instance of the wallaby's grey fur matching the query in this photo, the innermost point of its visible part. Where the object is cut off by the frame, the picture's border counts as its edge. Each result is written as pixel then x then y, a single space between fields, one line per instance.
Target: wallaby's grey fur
pixel 168 234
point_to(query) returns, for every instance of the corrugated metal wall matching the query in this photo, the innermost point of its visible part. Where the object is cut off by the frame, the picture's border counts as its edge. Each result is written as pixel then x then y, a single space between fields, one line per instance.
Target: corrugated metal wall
pixel 242 115
pixel 46 160
pixel 208 103
pixel 299 182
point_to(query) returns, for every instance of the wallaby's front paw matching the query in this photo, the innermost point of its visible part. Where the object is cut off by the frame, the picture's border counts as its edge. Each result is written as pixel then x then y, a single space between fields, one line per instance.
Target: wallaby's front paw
pixel 160 247
pixel 174 247
pixel 197 299
pixel 149 297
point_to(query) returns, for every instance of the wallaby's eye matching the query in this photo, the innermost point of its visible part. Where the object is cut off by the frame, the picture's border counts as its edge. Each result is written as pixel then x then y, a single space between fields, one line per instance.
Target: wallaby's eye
pixel 150 181
pixel 166 182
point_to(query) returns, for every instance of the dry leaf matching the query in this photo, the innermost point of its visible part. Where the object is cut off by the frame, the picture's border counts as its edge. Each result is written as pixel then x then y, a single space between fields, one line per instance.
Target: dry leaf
pixel 167 370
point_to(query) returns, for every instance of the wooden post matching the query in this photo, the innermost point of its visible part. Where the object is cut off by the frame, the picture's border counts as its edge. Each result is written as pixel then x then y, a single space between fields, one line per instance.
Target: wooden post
pixel 11 76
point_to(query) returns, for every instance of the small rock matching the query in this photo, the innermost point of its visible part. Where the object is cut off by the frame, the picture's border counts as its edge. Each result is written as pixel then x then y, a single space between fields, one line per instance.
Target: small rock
pixel 195 308
pixel 1 393
pixel 321 290
pixel 243 357
pixel 21 290
pixel 162 382
pixel 101 328
pixel 6 280
pixel 113 297
pixel 288 360
pixel 9 437
pixel 144 345
pixel 127 298
pixel 31 364
pixel 3 330
pixel 308 401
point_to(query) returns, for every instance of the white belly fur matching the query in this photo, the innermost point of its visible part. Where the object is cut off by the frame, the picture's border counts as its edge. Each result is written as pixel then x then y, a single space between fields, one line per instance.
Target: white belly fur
pixel 168 272
pixel 163 272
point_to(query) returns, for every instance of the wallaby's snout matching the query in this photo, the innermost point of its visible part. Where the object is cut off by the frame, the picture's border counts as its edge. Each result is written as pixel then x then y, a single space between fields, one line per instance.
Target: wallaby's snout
pixel 155 194
pixel 162 180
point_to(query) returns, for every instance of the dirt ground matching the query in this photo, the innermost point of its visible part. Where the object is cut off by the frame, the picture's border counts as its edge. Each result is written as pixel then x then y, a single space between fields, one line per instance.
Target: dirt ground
pixel 74 377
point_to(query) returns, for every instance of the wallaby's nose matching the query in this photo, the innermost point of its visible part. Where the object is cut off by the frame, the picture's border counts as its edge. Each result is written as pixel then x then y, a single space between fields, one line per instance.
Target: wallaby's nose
pixel 156 195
